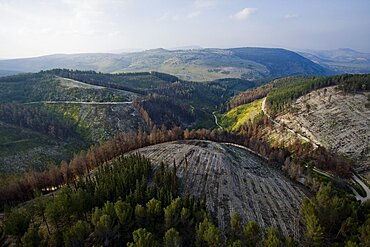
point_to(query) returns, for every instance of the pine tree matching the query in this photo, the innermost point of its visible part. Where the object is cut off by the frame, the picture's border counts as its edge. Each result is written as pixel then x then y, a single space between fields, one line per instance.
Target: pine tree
pixel 172 238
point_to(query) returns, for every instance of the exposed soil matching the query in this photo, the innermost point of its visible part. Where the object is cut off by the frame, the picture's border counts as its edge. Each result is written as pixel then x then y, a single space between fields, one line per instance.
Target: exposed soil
pixel 338 121
pixel 233 179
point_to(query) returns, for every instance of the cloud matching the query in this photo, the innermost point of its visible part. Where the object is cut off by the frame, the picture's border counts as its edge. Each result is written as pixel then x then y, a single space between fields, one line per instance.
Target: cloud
pixel 244 14
pixel 169 17
pixel 291 16
pixel 194 14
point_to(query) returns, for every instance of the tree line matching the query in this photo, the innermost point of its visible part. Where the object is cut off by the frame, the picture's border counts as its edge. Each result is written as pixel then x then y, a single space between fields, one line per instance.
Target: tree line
pixel 117 204
pixel 35 118
pixel 158 110
pixel 293 160
pixel 281 98
pixel 133 82
pixel 334 218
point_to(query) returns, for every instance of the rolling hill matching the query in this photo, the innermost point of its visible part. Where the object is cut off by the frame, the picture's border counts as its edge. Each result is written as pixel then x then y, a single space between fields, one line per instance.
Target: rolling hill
pixel 194 65
pixel 232 179
pixel 69 110
pixel 338 121
pixel 332 112
pixel 340 60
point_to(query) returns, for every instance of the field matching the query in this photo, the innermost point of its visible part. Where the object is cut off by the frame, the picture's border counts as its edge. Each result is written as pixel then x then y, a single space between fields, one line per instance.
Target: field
pixel 240 115
pixel 233 179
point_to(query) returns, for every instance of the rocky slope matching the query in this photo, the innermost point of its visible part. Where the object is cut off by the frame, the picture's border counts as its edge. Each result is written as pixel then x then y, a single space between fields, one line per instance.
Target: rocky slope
pixel 233 179
pixel 338 121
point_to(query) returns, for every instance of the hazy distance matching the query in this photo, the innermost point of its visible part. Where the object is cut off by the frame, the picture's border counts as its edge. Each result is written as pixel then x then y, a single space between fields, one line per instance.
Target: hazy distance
pixel 40 27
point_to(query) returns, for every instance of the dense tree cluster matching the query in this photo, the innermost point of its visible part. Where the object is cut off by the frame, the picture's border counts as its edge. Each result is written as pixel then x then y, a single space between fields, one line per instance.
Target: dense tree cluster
pixel 293 160
pixel 126 202
pixel 134 82
pixel 285 93
pixel 333 217
pixel 250 96
pixel 355 83
pixel 159 110
pixel 35 118
pixel 112 206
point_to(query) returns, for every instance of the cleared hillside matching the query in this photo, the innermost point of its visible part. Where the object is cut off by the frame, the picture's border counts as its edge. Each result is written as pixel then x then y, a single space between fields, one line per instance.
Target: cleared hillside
pixel 46 118
pixel 233 179
pixel 339 121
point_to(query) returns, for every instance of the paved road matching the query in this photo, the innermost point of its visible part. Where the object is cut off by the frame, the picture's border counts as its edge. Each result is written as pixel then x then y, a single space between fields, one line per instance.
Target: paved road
pixel 263 108
pixel 364 186
pixel 80 102
pixel 354 176
pixel 216 120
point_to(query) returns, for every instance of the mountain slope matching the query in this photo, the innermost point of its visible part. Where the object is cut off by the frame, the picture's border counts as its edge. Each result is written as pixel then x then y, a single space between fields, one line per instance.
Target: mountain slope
pixel 340 122
pixel 232 180
pixel 195 65
pixel 329 111
pixel 340 60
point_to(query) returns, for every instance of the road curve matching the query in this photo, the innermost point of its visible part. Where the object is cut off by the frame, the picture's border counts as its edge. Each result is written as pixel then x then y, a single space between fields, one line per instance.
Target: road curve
pixel 354 176
pixel 80 102
pixel 216 120
pixel 356 179
pixel 263 108
pixel 364 186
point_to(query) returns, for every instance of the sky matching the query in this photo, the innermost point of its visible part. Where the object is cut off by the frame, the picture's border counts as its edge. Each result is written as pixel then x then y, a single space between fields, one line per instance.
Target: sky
pixel 40 27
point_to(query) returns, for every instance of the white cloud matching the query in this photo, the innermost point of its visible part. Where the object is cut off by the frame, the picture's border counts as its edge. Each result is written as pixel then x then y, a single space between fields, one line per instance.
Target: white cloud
pixel 244 14
pixel 194 14
pixel 291 16
pixel 169 17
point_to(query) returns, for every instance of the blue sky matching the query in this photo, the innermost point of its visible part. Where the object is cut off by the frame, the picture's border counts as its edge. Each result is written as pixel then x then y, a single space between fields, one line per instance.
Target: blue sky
pixel 39 27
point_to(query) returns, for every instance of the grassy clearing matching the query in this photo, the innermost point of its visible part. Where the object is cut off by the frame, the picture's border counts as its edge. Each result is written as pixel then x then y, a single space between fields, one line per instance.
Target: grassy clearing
pixel 240 115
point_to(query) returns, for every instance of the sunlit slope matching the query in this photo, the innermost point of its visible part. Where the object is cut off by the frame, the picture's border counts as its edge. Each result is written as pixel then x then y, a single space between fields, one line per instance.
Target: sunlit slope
pixel 238 116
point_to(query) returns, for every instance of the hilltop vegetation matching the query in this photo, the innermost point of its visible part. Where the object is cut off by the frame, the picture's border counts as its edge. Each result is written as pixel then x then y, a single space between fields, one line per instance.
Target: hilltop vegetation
pixel 286 93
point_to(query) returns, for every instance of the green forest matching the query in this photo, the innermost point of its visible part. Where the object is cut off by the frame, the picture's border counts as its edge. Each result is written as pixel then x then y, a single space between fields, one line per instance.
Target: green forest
pixel 108 195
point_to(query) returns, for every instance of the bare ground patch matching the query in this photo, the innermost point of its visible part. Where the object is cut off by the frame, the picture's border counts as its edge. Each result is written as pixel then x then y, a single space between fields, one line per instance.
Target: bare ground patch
pixel 339 121
pixel 233 179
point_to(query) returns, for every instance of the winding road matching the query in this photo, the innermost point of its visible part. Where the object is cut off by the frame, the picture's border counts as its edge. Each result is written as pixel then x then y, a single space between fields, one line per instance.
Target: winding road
pixel 80 102
pixel 354 176
pixel 216 120
pixel 263 108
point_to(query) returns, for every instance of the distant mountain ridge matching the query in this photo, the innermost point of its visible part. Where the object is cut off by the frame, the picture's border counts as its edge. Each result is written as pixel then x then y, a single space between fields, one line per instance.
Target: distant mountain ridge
pixel 192 64
pixel 343 60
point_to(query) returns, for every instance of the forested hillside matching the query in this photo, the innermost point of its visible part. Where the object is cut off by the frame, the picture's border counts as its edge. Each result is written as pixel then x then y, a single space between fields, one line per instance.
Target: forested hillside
pixel 109 194
pixel 84 106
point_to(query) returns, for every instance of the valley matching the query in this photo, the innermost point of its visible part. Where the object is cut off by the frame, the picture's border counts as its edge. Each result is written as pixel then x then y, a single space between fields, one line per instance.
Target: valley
pixel 198 123
pixel 236 159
